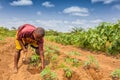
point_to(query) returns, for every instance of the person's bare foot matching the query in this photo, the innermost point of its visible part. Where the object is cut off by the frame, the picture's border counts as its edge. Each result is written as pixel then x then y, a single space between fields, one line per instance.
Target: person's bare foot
pixel 15 70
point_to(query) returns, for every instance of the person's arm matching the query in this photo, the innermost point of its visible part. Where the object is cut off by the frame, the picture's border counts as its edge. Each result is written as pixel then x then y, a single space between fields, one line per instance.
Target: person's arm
pixel 22 45
pixel 42 59
pixel 41 51
pixel 20 36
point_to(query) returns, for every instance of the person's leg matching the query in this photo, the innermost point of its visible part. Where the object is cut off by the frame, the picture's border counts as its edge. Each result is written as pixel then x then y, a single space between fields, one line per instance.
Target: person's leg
pixel 16 60
pixel 17 53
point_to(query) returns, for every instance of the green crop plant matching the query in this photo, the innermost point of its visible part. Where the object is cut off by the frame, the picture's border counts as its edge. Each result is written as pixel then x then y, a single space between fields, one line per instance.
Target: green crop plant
pixel 114 48
pixel 35 60
pixel 50 38
pixel 54 57
pixel 94 38
pixel 92 62
pixel 48 74
pixel 73 61
pixel 54 60
pixel 116 74
pixel 51 49
pixel 5 32
pixel 68 72
pixel 64 39
pixel 68 60
pixel 74 53
pixel 48 52
pixel 62 65
pixel 51 33
pixel 76 62
pixel 48 49
pixel 56 50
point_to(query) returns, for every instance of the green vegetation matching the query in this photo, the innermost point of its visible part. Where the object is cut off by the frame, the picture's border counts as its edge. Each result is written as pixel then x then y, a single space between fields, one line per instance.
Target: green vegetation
pixel 74 53
pixel 62 65
pixel 48 74
pixel 51 53
pixel 35 60
pixel 72 61
pixel 105 37
pixel 116 74
pixel 91 62
pixel 51 34
pixel 4 32
pixel 68 72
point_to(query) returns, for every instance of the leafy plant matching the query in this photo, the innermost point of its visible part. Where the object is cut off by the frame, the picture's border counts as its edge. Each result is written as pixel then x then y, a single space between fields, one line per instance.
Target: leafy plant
pixel 76 62
pixel 5 32
pixel 116 74
pixel 68 60
pixel 48 74
pixel 74 53
pixel 94 38
pixel 73 61
pixel 54 60
pixel 35 60
pixel 68 72
pixel 48 52
pixel 62 65
pixel 92 62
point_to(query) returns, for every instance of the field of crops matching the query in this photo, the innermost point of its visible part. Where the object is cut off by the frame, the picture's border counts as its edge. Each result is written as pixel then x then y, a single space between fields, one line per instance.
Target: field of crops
pixel 68 56
pixel 105 37
pixel 62 63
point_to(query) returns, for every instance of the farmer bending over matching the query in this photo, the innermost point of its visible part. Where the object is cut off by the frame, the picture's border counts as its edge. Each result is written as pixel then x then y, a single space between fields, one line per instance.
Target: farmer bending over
pixel 29 34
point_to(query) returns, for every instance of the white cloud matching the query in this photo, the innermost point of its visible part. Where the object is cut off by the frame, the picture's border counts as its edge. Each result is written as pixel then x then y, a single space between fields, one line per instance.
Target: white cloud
pixel 76 11
pixel 49 23
pixel 39 13
pixel 48 4
pixel 79 14
pixel 104 1
pixel 55 24
pixel 66 25
pixel 108 1
pixel 85 24
pixel 117 6
pixel 96 21
pixel 79 22
pixel 95 1
pixel 58 25
pixel 21 3
pixel 15 22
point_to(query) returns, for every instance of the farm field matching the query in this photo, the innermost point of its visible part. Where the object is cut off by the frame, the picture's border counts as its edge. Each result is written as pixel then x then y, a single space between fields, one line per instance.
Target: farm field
pixel 72 39
pixel 62 63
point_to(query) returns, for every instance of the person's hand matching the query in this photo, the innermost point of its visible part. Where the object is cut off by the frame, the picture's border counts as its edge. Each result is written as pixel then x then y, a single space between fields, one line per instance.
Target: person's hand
pixel 43 66
pixel 24 57
pixel 24 50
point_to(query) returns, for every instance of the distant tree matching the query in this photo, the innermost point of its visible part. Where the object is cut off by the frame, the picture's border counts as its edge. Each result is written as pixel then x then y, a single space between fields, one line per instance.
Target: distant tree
pixel 13 28
pixel 77 30
pixel 52 32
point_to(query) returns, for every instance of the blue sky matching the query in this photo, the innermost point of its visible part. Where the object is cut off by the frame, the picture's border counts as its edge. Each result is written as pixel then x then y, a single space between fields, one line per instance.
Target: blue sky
pixel 60 15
